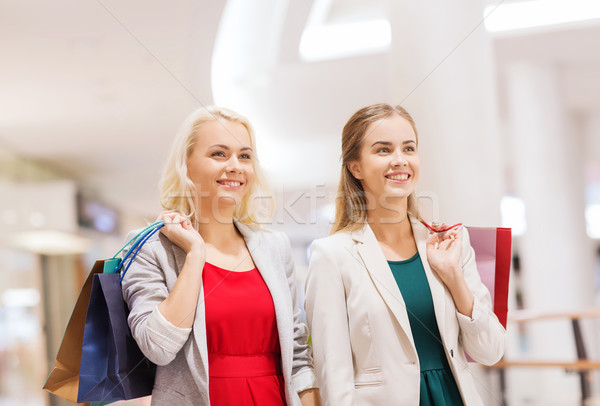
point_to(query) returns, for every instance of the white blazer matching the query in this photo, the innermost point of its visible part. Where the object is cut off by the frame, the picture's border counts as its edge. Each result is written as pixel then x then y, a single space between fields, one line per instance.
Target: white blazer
pixel 363 347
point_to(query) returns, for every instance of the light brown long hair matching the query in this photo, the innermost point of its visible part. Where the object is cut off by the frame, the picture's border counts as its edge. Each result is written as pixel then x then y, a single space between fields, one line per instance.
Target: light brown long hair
pixel 351 202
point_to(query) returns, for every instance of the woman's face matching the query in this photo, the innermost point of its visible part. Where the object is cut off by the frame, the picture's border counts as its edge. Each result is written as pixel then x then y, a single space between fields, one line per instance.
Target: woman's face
pixel 389 162
pixel 220 164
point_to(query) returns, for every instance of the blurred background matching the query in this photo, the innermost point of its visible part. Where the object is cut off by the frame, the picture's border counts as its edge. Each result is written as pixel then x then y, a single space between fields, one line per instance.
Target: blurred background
pixel 505 95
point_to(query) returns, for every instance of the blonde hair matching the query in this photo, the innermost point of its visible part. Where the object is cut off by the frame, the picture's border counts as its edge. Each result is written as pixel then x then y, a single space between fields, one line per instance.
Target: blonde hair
pixel 178 192
pixel 351 202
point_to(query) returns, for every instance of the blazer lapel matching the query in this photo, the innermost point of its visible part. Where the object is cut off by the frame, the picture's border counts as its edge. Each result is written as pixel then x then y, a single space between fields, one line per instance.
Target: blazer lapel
pixel 438 290
pixel 376 265
pixel 261 255
pixel 271 268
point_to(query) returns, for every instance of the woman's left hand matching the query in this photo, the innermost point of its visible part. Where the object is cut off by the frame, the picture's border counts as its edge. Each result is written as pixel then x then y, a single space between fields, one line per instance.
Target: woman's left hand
pixel 443 255
pixel 310 397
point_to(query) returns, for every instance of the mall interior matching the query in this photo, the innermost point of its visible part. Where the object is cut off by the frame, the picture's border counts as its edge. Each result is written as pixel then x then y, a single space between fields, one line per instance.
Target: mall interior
pixel 505 95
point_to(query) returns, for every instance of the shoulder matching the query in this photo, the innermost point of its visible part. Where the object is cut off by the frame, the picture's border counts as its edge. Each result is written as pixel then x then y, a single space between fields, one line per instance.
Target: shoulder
pixel 254 234
pixel 275 236
pixel 156 237
pixel 155 243
pixel 339 240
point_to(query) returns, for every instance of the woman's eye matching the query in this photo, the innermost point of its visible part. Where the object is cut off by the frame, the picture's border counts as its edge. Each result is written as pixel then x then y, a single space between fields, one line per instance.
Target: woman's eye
pixel 218 153
pixel 383 150
pixel 410 149
pixel 245 156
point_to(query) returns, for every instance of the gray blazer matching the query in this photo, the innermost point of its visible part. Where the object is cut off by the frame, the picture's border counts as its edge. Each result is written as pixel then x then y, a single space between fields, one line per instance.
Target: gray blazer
pixel 181 354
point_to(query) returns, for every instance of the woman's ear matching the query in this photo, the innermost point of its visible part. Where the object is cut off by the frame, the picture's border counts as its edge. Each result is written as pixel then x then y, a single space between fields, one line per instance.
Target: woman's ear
pixel 355 169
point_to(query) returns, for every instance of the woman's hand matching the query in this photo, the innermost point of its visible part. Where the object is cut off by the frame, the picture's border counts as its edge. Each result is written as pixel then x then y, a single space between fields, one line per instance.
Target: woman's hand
pixel 443 255
pixel 179 230
pixel 310 397
pixel 179 308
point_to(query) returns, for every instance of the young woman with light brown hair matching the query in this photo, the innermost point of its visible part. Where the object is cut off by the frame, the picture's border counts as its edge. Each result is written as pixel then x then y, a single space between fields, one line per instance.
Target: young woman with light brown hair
pixel 391 308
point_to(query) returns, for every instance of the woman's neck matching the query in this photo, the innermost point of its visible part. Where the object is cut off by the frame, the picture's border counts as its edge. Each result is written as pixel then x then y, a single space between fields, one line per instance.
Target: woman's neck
pixel 216 232
pixel 216 227
pixel 390 222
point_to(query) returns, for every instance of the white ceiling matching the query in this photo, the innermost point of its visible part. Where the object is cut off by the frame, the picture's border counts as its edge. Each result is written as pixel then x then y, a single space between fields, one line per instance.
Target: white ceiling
pixel 97 89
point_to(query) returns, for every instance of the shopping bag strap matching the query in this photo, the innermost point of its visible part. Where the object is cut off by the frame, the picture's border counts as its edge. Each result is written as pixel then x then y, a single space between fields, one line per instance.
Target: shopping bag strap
pixel 136 247
pixel 137 240
pixel 139 235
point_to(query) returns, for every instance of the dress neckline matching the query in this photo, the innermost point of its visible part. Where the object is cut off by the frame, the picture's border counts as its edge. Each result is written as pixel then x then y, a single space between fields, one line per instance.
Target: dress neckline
pixel 404 261
pixel 227 270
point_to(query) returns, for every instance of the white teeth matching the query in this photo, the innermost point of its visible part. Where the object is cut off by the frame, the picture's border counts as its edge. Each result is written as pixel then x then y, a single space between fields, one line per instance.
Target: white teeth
pixel 401 177
pixel 230 183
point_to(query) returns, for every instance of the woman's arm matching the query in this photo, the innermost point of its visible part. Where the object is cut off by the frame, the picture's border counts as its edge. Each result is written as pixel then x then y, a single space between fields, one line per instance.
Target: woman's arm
pixel 159 334
pixel 179 308
pixel 303 377
pixel 328 321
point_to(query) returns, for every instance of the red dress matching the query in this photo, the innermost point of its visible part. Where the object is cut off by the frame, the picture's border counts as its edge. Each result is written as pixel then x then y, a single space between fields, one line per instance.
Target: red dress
pixel 244 357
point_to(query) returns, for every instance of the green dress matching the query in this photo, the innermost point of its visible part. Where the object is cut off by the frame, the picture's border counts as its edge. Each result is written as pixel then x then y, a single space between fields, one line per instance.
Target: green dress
pixel 438 387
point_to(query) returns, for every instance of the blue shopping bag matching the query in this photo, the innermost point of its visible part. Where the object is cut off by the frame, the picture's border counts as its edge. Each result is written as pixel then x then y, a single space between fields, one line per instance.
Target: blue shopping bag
pixel 112 365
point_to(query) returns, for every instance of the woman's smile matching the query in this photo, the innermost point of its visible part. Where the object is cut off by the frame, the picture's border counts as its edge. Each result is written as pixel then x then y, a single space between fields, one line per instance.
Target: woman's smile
pixel 230 184
pixel 398 177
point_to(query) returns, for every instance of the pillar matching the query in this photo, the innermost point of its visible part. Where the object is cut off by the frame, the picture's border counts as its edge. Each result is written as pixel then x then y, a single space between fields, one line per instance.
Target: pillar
pixel 556 254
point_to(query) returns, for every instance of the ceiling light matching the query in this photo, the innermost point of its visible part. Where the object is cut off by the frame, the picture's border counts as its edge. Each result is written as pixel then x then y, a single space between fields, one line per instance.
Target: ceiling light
pixel 334 41
pixel 521 15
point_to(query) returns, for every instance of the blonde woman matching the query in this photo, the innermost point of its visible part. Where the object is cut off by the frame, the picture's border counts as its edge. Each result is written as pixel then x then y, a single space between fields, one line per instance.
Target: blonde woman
pixel 212 297
pixel 392 309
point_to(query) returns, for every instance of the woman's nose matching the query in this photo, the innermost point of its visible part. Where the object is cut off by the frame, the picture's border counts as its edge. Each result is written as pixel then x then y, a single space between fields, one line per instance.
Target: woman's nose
pixel 398 159
pixel 233 164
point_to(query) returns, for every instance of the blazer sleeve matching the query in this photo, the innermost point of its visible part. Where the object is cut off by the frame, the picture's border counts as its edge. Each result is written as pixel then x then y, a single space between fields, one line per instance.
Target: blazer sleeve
pixel 482 335
pixel 328 322
pixel 144 288
pixel 303 376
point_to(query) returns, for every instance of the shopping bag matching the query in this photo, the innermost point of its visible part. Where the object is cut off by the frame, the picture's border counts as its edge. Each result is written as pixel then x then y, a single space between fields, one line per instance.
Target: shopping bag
pixel 64 380
pixel 112 365
pixel 493 257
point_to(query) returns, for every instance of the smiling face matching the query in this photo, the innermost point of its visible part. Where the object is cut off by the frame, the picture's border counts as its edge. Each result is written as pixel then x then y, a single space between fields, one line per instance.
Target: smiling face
pixel 389 163
pixel 221 164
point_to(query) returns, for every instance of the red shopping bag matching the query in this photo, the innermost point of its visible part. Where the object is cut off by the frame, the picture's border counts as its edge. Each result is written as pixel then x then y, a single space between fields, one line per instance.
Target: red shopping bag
pixel 493 257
